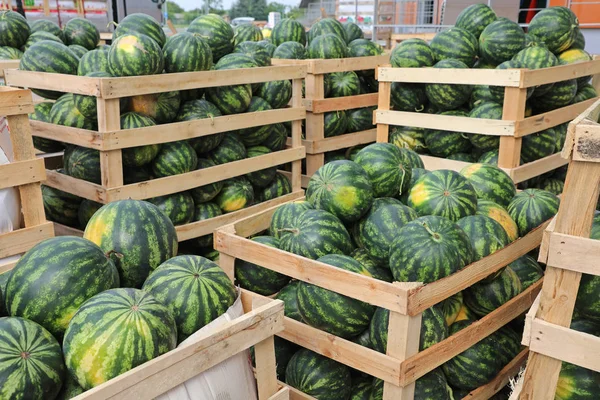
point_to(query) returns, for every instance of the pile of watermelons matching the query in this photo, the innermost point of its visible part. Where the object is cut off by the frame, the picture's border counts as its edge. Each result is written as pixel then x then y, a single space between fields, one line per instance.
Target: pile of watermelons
pixel 384 216
pixel 481 40
pixel 77 312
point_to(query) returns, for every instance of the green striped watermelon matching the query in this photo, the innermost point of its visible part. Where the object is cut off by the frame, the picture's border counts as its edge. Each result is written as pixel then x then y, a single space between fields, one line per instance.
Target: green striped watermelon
pixel 232 99
pixel 388 169
pixel 409 137
pixel 135 248
pixel 290 50
pixel 445 96
pixel 538 145
pixel 327 26
pixel 579 42
pixel 261 178
pixel 551 185
pixel 288 30
pixel 217 33
pixel 285 216
pixel 194 289
pixel 187 52
pixel 589 289
pixel 161 107
pixel 42 113
pixel 141 155
pixel 577 383
pixel 412 53
pixel 204 211
pixel 500 215
pixel 256 135
pixel 360 119
pixel 377 270
pixel 10 53
pixel 82 32
pixel 585 92
pixel 138 23
pixel 501 41
pixel 353 31
pixel 451 307
pixel 83 163
pixel 444 193
pixel 343 84
pixel 361 389
pixel 531 207
pixel 318 376
pixel 78 50
pixel 277 139
pixel 174 158
pixel 342 188
pixel 178 207
pixel 527 269
pixel 408 97
pixel 288 294
pixel 363 48
pixel 255 51
pixel 135 54
pixel 561 94
pixel 267 44
pixel 555 27
pixel 443 143
pixel 573 56
pixel 14 29
pixel 93 61
pixel 44 25
pixel 86 211
pixel 497 92
pixel 315 233
pixel 40 36
pixel 429 248
pixel 487 110
pixel 230 149
pixel 279 186
pixel 417 173
pixel 480 94
pixel 484 297
pixel 237 193
pixel 537 57
pixel 335 123
pixel 486 235
pixel 465 157
pixel 86 105
pixel 61 207
pixel 246 32
pixel 64 112
pixel 475 18
pixel 259 279
pixel 74 267
pixel 200 109
pixel 490 183
pixel 327 46
pixel 101 343
pixel 457 44
pixel 277 93
pixel 137 175
pixel 32 365
pixel 69 389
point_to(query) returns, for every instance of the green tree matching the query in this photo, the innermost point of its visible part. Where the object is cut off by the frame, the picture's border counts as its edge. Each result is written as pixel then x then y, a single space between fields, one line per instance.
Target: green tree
pixel 174 8
pixel 276 7
pixel 249 8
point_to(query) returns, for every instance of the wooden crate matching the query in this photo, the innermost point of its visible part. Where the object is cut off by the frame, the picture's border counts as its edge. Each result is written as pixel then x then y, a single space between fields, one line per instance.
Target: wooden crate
pixel 568 252
pixel 110 139
pixel 513 126
pixel 396 38
pixel 403 364
pixel 317 105
pixel 8 64
pixel 25 173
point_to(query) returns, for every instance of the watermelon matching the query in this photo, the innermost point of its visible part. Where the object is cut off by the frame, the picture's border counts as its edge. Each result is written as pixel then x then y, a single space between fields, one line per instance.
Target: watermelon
pixel 414 158
pixel 86 105
pixel 531 207
pixel 538 145
pixel 457 44
pixel 445 96
pixel 284 350
pixel 42 113
pixel 444 193
pixel 78 50
pixel 216 32
pixel 361 389
pixel 555 27
pixel 363 48
pixel 465 157
pixel 100 334
pixel 266 44
pixel 246 32
pixel 200 109
pixel 343 84
pixel 255 51
pixel 31 366
pixel 443 143
pixel 487 110
pixel 83 163
pixel 486 235
pixel 429 248
pixel 162 107
pixel 501 40
pixel 585 92
pixel 433 328
pixel 290 50
pixel 327 26
pixel 342 188
pixel 318 376
pixel 178 207
pixel 133 55
pixel 589 288
pixel 232 99
pixel 44 25
pixel 138 23
pixel 277 139
pixel 194 289
pixel 360 119
pixel 288 294
pixel 69 389
pixel 576 382
pixel 500 215
pixel 353 31
pixel 451 307
pixel 204 211
pixel 561 94
pixel 186 52
pixel 74 267
pixel 237 193
pixel 553 186
pixel 10 53
pixel 174 158
pixel 408 137
pixel 480 94
pixel 484 297
pixel 368 84
pixel 87 209
pixel 377 270
pixel 230 149
pixel 137 175
pixel 489 157
pixel 412 53
pixel 475 18
pixel 93 61
pixel 256 135
pixel 142 155
pixel 285 216
pixel 315 233
pixel 49 56
pixel 490 183
pixel 527 270
pixel 277 93
pixel 417 173
pixel 279 186
pixel 14 29
pixel 431 386
pixel 288 30
pixel 40 36
pixel 408 97
pixel 135 248
pixel 327 46
pixel 259 279
pixel 537 57
pixel 335 123
pixel 64 112
pixel 82 32
pixel 388 169
pixel 59 206
pixel 262 178
pixel 573 56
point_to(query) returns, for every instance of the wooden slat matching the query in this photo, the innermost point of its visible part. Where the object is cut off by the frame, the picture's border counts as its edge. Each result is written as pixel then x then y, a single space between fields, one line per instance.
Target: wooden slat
pixel 7 266
pixel 492 127
pixel 315 131
pixel 63 230
pixel 513 109
pixel 341 103
pixel 426 296
pixel 340 142
pixel 494 77
pixel 303 180
pixel 536 168
pixel 543 257
pixel 81 188
pixel 21 173
pixel 21 240
pixel 66 134
pixel 488 390
pixel 57 82
pixel 319 67
pixel 586 146
pixel 8 64
pixel 574 253
pixel 565 344
pixel 15 101
pixel 383 130
pixel 434 356
pixel 536 77
pixel 580 125
pixel 295 394
pixel 529 317
pixel 435 163
pixel 282 394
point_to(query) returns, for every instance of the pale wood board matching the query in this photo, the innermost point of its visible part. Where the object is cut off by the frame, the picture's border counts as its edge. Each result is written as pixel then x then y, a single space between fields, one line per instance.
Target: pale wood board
pixel 341 103
pixel 295 394
pixel 529 317
pixel 15 101
pixel 79 137
pixel 21 173
pixel 320 67
pixel 21 240
pixel 63 230
pixel 495 77
pixel 513 109
pixel 536 77
pixel 57 82
pixel 341 142
pixel 579 124
pixel 111 162
pixel 574 253
pixel 536 168
pixel 81 188
pixel 383 130
pixel 282 394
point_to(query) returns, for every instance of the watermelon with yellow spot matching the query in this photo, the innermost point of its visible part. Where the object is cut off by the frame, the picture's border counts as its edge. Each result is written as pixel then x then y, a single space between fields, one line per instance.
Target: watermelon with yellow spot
pixel 237 193
pixel 500 215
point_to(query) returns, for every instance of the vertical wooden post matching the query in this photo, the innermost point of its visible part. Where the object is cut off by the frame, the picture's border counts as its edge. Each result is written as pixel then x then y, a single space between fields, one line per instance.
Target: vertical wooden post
pixel 111 162
pixel 266 365
pixel 297 135
pixel 383 130
pixel 513 110
pixel 227 264
pixel 315 123
pixel 559 290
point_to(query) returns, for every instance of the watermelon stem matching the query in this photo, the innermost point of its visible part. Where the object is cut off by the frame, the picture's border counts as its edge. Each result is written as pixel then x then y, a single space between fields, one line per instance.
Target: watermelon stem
pixel 402 180
pixel 435 235
pixel 116 253
pixel 292 230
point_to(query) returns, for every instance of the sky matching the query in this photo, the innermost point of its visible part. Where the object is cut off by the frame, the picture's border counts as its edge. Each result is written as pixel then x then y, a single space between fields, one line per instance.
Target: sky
pixel 191 4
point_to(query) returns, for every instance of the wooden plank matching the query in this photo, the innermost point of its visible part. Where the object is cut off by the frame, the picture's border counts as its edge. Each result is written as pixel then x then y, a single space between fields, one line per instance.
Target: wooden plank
pixel 295 394
pixel 426 296
pixel 189 180
pixel 79 187
pixel 266 373
pixel 66 134
pixel 319 67
pixel 296 173
pixel 565 344
pixel 574 253
pixel 7 266
pixel 315 131
pixel 512 369
pixel 399 37
pixel 282 394
pixel 360 287
pixel 21 173
pixel 579 125
pixel 341 142
pixel 21 240
pixel 536 77
pixel 249 226
pixel 383 130
pixel 175 367
pixel 529 317
pixel 63 230
pixel 8 64
pixel 492 127
pixel 513 110
pixel 341 103
pixel 138 85
pixel 111 162
pixel 434 163
pixel 303 180
pixel 536 168
pixel 15 101
pixel 494 77
pixel 434 356
pixel 57 82
pixel 586 146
